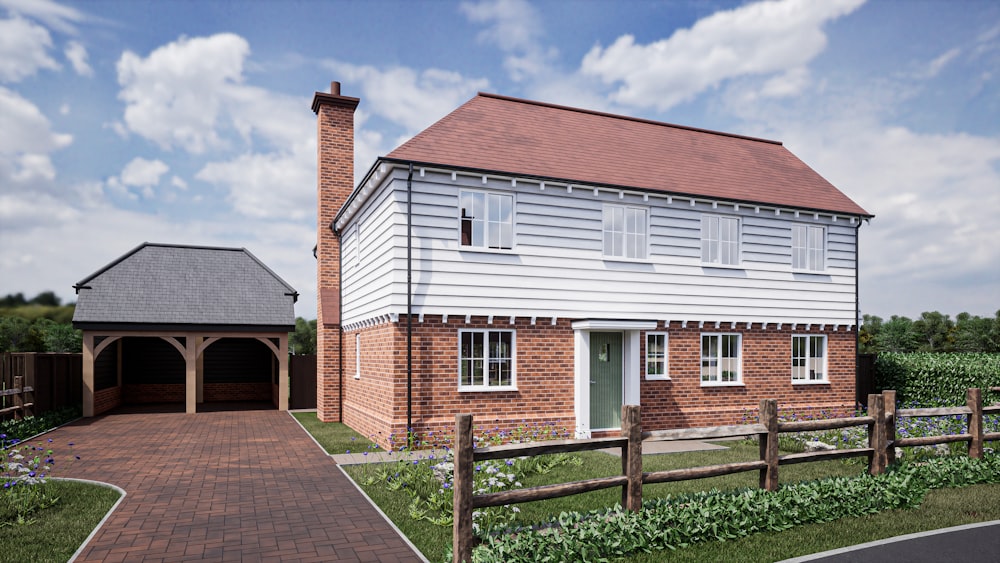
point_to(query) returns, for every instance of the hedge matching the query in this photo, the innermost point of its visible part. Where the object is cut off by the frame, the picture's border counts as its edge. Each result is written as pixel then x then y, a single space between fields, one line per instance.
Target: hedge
pixel 937 379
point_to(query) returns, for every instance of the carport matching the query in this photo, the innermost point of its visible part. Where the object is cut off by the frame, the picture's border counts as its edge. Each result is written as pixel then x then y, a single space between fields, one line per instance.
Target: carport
pixel 179 323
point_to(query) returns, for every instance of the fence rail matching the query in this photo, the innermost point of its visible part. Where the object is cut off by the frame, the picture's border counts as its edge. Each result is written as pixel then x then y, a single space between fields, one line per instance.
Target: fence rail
pixel 882 442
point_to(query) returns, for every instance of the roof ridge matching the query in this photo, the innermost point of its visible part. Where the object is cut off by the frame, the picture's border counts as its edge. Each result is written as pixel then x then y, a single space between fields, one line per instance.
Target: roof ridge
pixel 625 117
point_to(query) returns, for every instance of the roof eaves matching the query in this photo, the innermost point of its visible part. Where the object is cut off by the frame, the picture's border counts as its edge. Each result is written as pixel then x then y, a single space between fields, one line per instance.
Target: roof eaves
pixel 686 195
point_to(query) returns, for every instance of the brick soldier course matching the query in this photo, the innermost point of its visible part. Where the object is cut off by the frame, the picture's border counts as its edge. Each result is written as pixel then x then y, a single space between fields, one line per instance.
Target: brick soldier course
pixel 222 486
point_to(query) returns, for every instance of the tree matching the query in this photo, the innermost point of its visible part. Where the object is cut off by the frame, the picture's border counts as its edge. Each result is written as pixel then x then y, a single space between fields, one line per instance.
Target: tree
pixel 12 300
pixel 303 340
pixel 934 332
pixel 48 298
pixel 60 337
pixel 897 335
pixel 871 325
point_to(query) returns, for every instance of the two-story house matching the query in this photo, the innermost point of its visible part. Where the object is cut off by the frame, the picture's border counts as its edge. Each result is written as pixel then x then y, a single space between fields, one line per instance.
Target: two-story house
pixel 532 263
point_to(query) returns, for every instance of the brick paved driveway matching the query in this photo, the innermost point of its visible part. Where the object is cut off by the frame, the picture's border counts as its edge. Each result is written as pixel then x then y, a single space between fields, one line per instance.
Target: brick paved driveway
pixel 223 486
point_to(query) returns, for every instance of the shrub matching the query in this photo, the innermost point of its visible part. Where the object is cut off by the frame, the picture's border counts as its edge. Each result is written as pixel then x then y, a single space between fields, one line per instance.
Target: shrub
pixel 932 380
pixel 676 522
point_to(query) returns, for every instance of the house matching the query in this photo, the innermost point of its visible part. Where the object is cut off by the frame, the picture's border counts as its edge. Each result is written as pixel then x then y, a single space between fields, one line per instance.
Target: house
pixel 530 263
pixel 168 323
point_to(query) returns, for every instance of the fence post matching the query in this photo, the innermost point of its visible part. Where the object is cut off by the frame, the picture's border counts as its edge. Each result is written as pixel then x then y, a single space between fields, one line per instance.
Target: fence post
pixel 462 515
pixel 768 416
pixel 18 397
pixel 632 460
pixel 974 400
pixel 889 402
pixel 876 435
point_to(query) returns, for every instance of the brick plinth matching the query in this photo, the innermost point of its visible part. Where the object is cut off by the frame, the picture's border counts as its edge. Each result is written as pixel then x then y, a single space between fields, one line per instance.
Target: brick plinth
pixel 221 392
pixel 107 399
pixel 153 393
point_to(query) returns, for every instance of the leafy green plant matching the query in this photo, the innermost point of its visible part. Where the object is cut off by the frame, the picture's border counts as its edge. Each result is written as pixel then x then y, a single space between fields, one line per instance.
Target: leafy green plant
pixel 932 380
pixel 24 473
pixel 33 425
pixel 680 521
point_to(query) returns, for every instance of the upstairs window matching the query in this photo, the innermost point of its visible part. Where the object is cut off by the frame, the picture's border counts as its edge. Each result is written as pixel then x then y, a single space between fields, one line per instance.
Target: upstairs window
pixel 486 360
pixel 720 240
pixel 720 359
pixel 486 220
pixel 808 248
pixel 808 359
pixel 625 231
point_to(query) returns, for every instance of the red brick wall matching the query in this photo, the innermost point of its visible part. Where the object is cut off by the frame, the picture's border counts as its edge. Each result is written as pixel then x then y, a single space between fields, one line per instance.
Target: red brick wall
pixel 335 180
pixel 220 392
pixel 154 393
pixel 767 374
pixel 107 399
pixel 375 404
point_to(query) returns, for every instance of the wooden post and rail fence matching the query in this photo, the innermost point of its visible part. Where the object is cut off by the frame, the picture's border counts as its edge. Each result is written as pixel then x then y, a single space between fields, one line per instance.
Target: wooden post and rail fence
pixel 882 443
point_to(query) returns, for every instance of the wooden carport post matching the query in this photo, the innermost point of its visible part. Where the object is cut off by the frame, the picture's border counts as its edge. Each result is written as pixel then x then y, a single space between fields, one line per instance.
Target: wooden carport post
pixel 191 379
pixel 88 374
pixel 283 372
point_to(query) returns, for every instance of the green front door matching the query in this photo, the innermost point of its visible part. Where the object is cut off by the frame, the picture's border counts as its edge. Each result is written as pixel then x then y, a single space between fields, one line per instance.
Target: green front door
pixel 606 380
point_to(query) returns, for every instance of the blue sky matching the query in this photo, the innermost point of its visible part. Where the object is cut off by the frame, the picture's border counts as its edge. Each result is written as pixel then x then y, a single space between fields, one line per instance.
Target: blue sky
pixel 190 122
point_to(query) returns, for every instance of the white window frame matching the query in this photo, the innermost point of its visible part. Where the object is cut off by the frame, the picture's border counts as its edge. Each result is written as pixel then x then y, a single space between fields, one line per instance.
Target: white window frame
pixel 633 243
pixel 487 361
pixel 711 380
pixel 714 247
pixel 357 356
pixel 664 358
pixel 805 373
pixel 490 202
pixel 808 248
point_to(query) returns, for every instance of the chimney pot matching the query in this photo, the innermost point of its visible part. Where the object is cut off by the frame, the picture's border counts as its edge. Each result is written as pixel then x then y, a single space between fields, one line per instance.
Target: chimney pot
pixel 335 88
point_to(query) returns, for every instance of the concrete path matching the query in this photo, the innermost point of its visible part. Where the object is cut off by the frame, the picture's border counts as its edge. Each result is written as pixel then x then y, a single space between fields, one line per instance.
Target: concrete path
pixel 246 485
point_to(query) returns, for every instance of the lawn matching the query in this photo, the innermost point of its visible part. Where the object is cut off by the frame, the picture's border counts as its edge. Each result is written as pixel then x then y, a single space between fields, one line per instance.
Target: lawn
pixel 941 508
pixel 58 531
pixel 335 437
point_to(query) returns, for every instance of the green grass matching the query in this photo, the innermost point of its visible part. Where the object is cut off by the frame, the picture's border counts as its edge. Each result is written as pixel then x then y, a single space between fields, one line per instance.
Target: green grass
pixel 942 508
pixel 57 532
pixel 335 437
pixel 433 540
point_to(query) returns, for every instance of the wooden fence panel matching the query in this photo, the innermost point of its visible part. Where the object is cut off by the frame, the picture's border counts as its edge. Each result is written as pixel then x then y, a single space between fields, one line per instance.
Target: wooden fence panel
pixel 302 381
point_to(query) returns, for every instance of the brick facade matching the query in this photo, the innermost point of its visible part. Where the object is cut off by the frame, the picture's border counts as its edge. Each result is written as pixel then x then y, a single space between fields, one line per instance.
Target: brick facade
pixel 335 180
pixel 375 402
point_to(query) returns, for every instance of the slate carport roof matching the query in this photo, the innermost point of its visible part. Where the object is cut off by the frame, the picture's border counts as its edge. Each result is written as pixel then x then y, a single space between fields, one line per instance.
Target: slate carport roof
pixel 169 286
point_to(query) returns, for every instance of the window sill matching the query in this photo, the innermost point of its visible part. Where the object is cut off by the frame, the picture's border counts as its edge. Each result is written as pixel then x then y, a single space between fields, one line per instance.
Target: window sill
pixel 482 250
pixel 487 389
pixel 722 266
pixel 658 378
pixel 723 384
pixel 626 259
pixel 813 272
pixel 807 382
pixel 357 377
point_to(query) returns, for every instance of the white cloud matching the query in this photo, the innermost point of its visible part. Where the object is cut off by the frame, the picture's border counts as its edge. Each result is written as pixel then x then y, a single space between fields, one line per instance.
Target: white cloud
pixel 24 49
pixel 759 39
pixel 268 185
pixel 26 143
pixel 514 26
pixel 410 98
pixel 179 183
pixel 174 96
pixel 76 53
pixel 143 173
pixel 57 16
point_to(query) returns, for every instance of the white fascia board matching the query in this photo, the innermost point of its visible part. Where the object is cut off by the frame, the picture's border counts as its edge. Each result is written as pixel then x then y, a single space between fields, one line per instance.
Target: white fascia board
pixel 604 324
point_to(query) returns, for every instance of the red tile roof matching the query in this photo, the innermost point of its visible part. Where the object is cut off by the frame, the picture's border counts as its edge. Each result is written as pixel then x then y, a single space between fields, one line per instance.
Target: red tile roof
pixel 527 138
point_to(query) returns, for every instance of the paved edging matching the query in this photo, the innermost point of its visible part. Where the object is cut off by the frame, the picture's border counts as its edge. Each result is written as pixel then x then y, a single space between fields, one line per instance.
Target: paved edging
pixel 107 515
pixel 878 543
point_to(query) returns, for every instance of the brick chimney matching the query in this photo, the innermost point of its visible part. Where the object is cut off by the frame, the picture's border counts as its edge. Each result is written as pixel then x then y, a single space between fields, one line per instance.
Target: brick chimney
pixel 334 183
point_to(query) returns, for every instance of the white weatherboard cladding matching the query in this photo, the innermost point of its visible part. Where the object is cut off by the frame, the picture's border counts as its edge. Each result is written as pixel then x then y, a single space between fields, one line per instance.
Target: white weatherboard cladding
pixel 557 268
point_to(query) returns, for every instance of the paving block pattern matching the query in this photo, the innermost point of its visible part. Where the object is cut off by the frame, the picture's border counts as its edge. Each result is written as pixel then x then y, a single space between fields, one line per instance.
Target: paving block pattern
pixel 223 486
